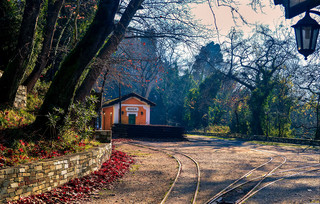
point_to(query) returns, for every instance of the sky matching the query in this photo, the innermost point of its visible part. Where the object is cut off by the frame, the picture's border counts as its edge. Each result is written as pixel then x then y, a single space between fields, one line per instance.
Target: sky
pixel 272 15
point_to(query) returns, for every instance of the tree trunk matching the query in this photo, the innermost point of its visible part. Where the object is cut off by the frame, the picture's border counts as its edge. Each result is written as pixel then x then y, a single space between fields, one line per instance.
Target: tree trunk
pixel 61 91
pixel 54 8
pixel 15 70
pixel 256 104
pixel 56 57
pixel 109 48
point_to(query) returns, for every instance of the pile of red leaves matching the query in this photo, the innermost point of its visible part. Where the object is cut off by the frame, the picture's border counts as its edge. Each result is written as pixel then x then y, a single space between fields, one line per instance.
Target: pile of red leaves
pixel 87 186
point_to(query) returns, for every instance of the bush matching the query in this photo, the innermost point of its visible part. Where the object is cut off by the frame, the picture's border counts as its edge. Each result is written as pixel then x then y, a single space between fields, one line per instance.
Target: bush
pixel 15 118
pixel 73 137
pixel 23 151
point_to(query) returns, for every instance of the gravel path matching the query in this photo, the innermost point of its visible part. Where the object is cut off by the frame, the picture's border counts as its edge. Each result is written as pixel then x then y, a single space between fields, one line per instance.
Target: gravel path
pixel 147 182
pixel 184 189
pixel 221 163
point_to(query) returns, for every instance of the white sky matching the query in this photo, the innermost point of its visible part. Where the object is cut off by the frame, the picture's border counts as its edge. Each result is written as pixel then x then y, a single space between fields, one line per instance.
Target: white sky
pixel 272 15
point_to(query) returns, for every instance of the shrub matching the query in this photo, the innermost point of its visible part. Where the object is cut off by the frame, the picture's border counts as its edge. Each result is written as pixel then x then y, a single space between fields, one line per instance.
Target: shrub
pixel 15 118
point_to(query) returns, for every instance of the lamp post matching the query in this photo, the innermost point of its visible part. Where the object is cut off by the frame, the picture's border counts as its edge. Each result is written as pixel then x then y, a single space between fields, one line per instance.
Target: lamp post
pixel 307 31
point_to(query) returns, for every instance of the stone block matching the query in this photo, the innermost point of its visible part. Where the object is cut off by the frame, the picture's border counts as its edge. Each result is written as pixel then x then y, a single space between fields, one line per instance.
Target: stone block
pixel 59 166
pixel 26 174
pixel 38 168
pixel 9 171
pixel 10 190
pixel 19 192
pixel 14 185
pixel 39 175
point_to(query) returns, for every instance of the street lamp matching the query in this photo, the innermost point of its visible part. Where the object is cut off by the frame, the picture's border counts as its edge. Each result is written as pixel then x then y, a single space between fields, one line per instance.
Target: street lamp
pixel 306 31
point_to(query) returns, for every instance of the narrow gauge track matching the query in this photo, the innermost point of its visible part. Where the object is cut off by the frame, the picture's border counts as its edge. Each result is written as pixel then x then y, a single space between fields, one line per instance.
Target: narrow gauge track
pixel 260 182
pixel 174 187
pixel 243 188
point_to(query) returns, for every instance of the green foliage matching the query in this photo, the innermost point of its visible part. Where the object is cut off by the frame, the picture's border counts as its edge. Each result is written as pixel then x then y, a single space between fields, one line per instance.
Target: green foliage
pixel 15 118
pixel 78 119
pixel 201 100
pixel 38 38
pixel 218 129
pixel 23 152
pixel 281 103
pixel 81 116
pixel 304 118
pixel 169 96
pixel 67 141
pixel 240 117
pixel 10 19
pixel 206 61
pixel 53 119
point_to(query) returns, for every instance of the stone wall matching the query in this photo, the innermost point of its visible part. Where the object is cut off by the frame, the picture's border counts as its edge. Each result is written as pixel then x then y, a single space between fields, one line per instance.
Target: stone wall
pixel 21 97
pixel 39 177
pixel 262 138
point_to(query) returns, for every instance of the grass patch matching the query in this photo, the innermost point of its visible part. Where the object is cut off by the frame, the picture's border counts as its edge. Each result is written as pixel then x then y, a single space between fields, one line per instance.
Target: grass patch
pixel 138 153
pixel 279 144
pixel 134 168
pixel 215 137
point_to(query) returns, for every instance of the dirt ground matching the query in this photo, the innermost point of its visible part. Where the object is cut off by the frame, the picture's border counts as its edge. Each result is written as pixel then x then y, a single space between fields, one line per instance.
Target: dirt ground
pixel 148 180
pixel 221 162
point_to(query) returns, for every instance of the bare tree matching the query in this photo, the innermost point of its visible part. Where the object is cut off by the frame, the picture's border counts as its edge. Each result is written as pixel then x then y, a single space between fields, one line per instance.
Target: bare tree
pixel 255 63
pixel 308 79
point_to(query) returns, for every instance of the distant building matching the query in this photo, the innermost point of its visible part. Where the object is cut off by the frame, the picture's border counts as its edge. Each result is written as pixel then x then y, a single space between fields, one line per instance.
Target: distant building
pixel 135 109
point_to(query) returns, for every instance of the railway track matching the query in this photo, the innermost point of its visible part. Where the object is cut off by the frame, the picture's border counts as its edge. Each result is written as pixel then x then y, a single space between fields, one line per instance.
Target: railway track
pixel 250 183
pixel 176 192
pixel 240 191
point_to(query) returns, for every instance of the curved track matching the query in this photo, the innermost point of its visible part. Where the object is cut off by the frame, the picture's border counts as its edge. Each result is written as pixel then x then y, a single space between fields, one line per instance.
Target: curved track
pixel 273 168
pixel 242 189
pixel 186 176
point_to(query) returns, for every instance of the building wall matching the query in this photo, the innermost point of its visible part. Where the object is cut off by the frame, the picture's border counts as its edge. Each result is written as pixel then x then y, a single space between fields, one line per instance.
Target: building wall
pixel 140 114
pixel 130 106
pixel 107 119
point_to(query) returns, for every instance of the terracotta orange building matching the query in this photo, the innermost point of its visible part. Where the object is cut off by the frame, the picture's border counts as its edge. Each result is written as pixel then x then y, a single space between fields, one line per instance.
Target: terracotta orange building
pixel 135 109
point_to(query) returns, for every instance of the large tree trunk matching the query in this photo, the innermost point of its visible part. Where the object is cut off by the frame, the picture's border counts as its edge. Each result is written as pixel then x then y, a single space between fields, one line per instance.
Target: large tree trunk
pixel 61 91
pixel 15 70
pixel 257 104
pixel 54 8
pixel 109 48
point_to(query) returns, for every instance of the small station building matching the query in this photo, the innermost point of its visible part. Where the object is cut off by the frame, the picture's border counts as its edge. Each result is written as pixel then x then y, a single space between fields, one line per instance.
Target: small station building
pixel 135 110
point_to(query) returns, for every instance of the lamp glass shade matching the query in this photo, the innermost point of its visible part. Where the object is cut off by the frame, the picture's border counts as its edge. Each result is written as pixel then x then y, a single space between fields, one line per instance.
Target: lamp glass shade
pixel 306 31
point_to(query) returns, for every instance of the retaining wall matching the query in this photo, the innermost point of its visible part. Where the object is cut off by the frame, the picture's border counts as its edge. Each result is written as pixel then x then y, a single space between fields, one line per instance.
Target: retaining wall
pixel 148 131
pixel 263 138
pixel 39 177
